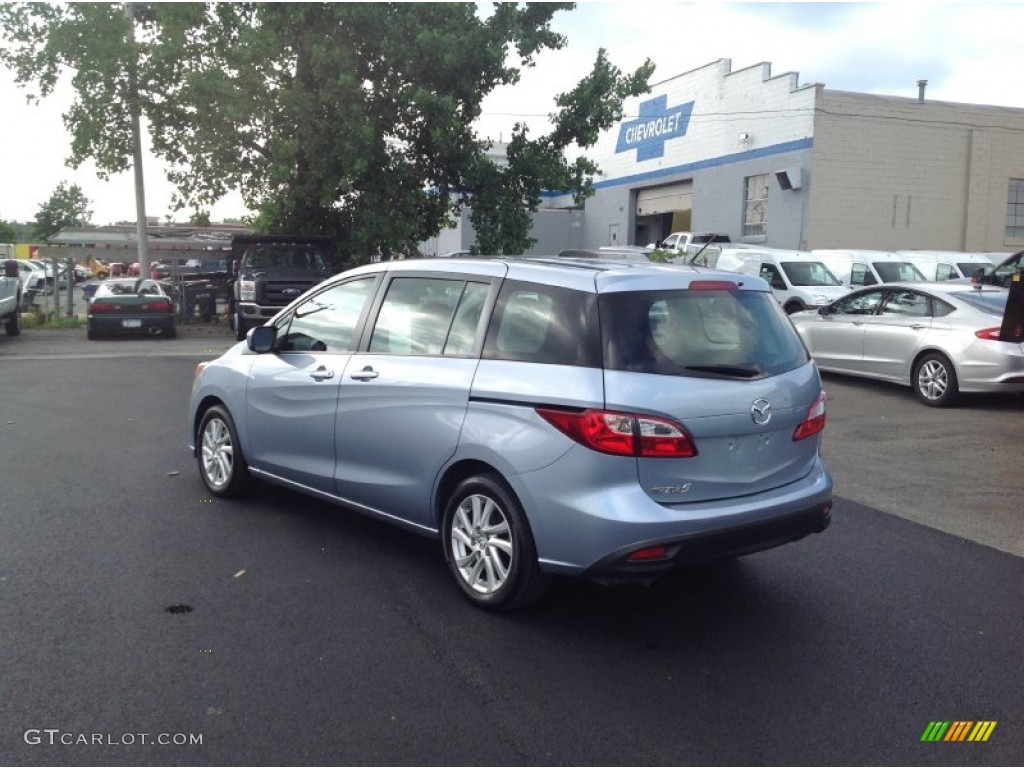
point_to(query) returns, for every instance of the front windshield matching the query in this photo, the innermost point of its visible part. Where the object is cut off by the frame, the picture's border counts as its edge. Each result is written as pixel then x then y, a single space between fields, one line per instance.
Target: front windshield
pixel 898 271
pixel 808 273
pixel 285 256
pixel 969 268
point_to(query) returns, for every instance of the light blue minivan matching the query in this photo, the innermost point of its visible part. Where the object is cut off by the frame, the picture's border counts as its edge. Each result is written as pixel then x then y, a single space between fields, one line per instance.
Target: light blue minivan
pixel 537 416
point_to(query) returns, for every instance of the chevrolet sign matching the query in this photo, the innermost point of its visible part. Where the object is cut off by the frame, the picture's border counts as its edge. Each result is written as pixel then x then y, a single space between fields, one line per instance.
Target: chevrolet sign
pixel 657 123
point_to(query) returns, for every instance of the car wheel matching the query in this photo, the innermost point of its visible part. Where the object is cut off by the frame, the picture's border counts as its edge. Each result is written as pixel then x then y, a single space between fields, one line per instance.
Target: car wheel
pixel 170 333
pixel 489 547
pixel 221 463
pixel 240 329
pixel 793 307
pixel 13 324
pixel 935 380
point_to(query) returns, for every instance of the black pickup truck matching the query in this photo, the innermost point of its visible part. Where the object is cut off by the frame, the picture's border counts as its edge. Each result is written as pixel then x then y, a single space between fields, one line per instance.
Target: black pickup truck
pixel 270 271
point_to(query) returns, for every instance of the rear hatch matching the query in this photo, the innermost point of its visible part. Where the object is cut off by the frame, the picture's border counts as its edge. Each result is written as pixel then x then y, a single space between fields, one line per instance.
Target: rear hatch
pixel 723 361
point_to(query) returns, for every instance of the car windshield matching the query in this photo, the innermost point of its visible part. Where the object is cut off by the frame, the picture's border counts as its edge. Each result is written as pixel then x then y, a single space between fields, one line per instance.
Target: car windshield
pixel 735 334
pixel 969 268
pixel 993 302
pixel 699 239
pixel 897 271
pixel 809 273
pixel 285 256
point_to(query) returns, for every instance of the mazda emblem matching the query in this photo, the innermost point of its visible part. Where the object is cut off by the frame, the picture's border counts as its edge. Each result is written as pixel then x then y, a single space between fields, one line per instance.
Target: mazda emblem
pixel 761 411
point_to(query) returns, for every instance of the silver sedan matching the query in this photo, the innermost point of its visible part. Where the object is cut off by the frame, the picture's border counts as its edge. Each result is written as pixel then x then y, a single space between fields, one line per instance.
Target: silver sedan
pixel 939 338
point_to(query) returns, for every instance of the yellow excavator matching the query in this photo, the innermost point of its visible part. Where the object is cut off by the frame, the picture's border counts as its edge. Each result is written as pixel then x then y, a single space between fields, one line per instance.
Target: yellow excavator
pixel 99 269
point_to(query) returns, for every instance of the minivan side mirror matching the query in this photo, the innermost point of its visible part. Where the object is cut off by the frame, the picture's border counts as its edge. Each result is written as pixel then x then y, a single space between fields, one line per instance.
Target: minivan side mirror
pixel 261 338
pixel 825 310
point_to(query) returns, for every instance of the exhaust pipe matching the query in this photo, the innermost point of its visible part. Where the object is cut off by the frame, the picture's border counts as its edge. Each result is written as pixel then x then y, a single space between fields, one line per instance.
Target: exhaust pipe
pixel 154 331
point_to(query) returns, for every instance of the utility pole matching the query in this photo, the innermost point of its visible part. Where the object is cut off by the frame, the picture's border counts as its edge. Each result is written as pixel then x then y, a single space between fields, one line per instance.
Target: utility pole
pixel 141 229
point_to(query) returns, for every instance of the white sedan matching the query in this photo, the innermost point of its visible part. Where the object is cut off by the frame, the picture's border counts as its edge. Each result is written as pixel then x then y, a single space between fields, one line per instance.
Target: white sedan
pixel 939 338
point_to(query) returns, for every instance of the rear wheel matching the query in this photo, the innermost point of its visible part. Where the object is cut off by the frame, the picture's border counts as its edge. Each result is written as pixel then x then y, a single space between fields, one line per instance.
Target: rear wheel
pixel 489 547
pixel 13 324
pixel 221 463
pixel 935 381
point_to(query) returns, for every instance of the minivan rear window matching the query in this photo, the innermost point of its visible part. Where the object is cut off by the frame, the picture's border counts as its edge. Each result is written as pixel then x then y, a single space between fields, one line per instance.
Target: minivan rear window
pixel 736 334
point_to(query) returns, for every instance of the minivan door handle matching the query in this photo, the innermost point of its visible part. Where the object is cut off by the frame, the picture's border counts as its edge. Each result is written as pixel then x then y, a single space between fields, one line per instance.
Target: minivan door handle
pixel 918 326
pixel 322 373
pixel 364 375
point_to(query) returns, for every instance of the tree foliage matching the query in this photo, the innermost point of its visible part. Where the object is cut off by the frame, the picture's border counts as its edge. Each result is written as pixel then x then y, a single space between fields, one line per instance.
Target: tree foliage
pixel 354 120
pixel 66 207
pixel 8 234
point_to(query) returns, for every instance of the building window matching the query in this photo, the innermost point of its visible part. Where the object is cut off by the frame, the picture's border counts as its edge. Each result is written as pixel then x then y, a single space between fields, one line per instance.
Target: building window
pixel 1015 210
pixel 755 205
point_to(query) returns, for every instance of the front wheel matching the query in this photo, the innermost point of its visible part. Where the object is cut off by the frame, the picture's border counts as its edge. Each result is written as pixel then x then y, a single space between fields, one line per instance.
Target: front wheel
pixel 489 547
pixel 240 327
pixel 935 381
pixel 221 463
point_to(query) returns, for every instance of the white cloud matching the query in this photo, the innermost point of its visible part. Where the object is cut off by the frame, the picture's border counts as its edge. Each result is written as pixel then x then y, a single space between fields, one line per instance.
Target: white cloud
pixel 967 52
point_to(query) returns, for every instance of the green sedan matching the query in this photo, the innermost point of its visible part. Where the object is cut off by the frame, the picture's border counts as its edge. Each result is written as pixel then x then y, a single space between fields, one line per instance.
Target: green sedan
pixel 131 306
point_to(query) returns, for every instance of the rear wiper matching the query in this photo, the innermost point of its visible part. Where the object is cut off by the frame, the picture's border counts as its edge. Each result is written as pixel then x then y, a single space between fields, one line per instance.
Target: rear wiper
pixel 741 371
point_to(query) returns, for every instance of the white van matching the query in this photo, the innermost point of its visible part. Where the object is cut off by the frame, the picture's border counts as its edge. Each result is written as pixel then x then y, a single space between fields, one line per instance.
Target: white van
pixel 857 268
pixel 948 265
pixel 798 279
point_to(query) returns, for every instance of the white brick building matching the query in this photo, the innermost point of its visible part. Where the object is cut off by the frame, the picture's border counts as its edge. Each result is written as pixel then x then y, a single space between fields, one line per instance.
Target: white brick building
pixel 767 160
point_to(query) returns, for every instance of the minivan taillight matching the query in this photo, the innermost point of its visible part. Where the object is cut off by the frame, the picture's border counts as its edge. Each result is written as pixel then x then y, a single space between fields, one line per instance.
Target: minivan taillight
pixel 989 334
pixel 815 420
pixel 623 434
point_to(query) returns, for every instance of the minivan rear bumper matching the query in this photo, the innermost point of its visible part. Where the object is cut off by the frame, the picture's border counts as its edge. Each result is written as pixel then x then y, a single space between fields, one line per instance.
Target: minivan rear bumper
pixel 708 546
pixel 592 528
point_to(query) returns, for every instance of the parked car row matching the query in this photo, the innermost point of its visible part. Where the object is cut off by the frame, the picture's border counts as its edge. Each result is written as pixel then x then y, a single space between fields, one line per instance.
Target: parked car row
pixel 932 320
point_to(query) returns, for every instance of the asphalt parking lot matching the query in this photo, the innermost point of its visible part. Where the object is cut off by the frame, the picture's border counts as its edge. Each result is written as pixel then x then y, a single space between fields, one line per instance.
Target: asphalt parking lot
pixel 279 630
pixel 956 470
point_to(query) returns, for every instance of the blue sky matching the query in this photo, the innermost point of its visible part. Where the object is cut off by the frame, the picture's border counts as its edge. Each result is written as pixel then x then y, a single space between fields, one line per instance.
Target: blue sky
pixel 968 52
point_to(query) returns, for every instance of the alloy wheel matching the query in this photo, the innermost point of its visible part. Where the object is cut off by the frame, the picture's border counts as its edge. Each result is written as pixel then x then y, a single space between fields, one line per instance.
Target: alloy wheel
pixel 482 544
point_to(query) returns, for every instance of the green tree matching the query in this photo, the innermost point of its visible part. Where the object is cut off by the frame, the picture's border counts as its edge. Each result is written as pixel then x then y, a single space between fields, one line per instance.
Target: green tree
pixel 8 234
pixel 354 120
pixel 15 231
pixel 67 207
pixel 199 219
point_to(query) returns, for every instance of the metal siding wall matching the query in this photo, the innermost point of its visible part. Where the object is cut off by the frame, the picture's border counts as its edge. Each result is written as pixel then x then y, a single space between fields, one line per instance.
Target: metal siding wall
pixel 891 174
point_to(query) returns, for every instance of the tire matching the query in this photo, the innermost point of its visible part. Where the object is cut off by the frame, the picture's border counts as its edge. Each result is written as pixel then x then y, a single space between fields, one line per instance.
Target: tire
pixel 13 325
pixel 91 335
pixel 170 333
pixel 219 455
pixel 794 307
pixel 240 328
pixel 934 381
pixel 495 569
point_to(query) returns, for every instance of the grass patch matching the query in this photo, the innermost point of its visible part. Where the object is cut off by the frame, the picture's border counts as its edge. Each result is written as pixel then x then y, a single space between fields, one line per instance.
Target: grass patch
pixel 51 320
